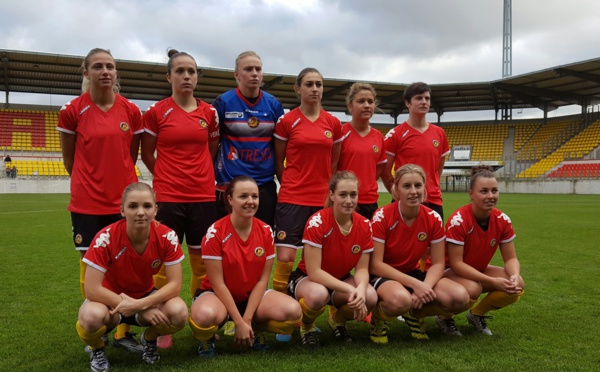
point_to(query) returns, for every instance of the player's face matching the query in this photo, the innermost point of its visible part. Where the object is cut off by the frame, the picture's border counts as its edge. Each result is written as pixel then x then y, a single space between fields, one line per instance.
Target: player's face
pixel 249 74
pixel 183 75
pixel 345 197
pixel 410 189
pixel 362 106
pixel 244 201
pixel 102 71
pixel 419 104
pixel 311 88
pixel 139 208
pixel 485 194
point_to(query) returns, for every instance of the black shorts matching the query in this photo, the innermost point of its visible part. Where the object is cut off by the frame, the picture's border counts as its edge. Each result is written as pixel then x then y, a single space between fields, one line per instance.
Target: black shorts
pixel 436 207
pixel 290 220
pixel 267 199
pixel 297 276
pixel 377 281
pixel 86 226
pixel 188 219
pixel 366 210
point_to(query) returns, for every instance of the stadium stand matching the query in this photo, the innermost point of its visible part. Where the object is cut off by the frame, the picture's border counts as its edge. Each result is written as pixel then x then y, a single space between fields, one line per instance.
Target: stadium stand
pixel 586 169
pixel 487 140
pixel 577 147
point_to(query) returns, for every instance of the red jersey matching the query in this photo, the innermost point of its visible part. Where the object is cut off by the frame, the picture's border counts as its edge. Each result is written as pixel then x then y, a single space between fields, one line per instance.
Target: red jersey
pixel 125 271
pixel 339 253
pixel 409 146
pixel 479 246
pixel 183 172
pixel 362 155
pixel 405 245
pixel 102 166
pixel 307 156
pixel 243 261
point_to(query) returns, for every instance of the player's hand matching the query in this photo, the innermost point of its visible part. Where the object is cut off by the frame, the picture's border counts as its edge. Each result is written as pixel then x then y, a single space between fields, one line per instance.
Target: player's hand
pixel 423 292
pixel 127 307
pixel 415 302
pixel 361 313
pixel 154 317
pixel 356 299
pixel 244 335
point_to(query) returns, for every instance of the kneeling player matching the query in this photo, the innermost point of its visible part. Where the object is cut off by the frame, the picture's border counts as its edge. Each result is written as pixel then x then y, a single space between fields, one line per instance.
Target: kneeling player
pixel 238 251
pixel 118 282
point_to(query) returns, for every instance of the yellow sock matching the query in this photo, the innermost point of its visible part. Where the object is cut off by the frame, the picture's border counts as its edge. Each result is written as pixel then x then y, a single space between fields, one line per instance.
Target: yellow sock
pixel 343 314
pixel 122 329
pixel 422 265
pixel 153 332
pixel 472 303
pixel 202 334
pixel 493 301
pixel 431 309
pixel 160 279
pixel 198 271
pixel 309 315
pixel 281 328
pixel 82 267
pixel 282 275
pixel 94 340
pixel 379 314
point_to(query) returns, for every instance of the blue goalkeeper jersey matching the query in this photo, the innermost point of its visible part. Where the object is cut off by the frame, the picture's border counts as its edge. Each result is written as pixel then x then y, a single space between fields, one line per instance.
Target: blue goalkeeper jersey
pixel 246 136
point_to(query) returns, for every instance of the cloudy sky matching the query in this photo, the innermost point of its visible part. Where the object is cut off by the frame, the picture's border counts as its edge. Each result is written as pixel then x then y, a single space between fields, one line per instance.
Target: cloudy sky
pixel 401 41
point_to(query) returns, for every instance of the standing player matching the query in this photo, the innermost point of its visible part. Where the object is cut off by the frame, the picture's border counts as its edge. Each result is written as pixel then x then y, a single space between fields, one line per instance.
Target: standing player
pixel 336 241
pixel 362 147
pixel 184 132
pixel 308 139
pixel 475 231
pixel 100 121
pixel 418 142
pixel 238 251
pixel 247 117
pixel 402 232
pixel 118 283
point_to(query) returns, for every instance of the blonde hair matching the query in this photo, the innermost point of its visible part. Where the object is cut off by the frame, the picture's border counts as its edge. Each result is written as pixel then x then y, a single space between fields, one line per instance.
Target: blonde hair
pixel 242 55
pixel 356 88
pixel 137 186
pixel 406 169
pixel 335 179
pixel 85 84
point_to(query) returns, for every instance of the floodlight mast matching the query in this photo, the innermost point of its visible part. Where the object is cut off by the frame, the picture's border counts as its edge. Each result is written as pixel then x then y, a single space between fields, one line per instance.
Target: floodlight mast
pixel 507 53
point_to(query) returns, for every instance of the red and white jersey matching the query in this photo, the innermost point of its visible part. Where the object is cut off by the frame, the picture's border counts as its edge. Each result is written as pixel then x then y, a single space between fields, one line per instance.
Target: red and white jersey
pixel 362 155
pixel 427 150
pixel 125 271
pixel 307 156
pixel 478 246
pixel 243 261
pixel 183 172
pixel 339 253
pixel 102 166
pixel 405 245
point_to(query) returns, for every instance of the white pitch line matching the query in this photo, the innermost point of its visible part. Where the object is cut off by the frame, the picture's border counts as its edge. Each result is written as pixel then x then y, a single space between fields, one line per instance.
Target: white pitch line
pixel 46 210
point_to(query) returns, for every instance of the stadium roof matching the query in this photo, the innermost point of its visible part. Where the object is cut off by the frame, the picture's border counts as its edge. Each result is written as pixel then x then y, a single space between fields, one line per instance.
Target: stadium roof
pixel 577 83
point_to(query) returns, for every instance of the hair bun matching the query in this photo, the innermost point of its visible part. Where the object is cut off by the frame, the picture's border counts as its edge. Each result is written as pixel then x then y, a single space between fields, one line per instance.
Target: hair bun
pixel 172 52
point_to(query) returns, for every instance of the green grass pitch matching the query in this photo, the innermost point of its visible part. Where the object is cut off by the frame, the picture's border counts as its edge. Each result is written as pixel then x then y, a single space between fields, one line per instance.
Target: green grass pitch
pixel 555 326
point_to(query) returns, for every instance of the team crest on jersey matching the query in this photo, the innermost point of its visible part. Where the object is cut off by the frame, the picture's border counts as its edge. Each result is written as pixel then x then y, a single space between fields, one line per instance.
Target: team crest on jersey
pixel 203 123
pixel 422 236
pixel 328 134
pixel 435 143
pixel 253 122
pixel 356 249
pixel 375 149
pixel 124 126
pixel 259 251
pixel 156 264
pixel 281 235
pixel 78 239
pixel 493 243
